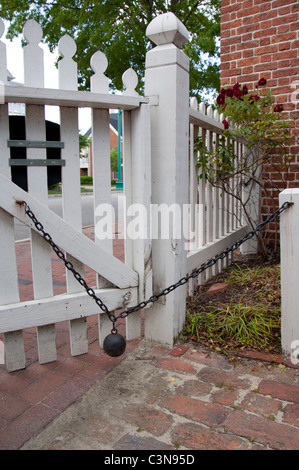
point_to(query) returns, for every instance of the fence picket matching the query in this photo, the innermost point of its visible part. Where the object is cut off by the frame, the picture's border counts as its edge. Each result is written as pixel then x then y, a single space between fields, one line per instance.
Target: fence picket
pixel 71 190
pixel 216 219
pixel 223 263
pixel 3 61
pixel 130 82
pixel 210 195
pixel 99 82
pixel 37 183
pixel 33 55
pixel 67 67
pixel 71 198
pixel 194 215
pixel 202 195
pixel 9 289
pixel 101 171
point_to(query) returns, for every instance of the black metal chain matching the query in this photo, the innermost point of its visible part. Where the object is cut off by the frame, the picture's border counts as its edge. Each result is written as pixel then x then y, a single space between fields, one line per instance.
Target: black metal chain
pixel 208 264
pixel 68 264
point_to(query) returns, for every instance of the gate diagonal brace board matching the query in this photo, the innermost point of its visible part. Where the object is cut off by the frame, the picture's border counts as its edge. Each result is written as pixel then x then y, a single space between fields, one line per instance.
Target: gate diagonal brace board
pixel 66 237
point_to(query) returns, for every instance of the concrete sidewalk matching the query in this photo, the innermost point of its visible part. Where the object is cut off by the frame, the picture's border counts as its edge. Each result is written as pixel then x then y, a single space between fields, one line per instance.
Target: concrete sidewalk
pixel 152 398
pixel 177 399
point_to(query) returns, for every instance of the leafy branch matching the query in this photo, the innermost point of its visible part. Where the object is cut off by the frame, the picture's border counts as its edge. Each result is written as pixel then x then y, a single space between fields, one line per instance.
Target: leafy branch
pixel 252 153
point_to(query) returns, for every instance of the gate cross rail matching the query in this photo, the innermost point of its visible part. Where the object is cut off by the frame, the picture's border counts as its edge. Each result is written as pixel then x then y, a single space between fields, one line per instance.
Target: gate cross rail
pixel 208 264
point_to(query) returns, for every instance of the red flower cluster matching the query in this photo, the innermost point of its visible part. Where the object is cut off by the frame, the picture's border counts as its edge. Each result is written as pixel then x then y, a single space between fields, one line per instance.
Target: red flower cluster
pixel 253 98
pixel 225 123
pixel 238 92
pixel 261 82
pixel 278 108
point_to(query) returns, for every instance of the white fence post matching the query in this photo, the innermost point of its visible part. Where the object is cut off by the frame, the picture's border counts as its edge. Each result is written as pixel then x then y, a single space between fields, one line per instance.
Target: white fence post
pixel 167 85
pixel 37 184
pixel 289 246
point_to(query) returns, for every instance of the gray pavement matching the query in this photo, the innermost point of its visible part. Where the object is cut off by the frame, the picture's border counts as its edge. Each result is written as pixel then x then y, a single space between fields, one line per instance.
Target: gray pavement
pixel 181 399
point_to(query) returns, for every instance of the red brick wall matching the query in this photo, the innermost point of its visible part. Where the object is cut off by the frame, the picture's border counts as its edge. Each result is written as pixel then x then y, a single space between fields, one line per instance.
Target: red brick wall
pixel 113 139
pixel 260 38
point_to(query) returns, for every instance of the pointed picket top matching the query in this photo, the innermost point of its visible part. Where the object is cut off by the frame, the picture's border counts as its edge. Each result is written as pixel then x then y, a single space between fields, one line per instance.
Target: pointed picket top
pixel 216 115
pixel 67 67
pixel 3 61
pixel 33 55
pixel 130 82
pixel 194 103
pixel 99 83
pixel 202 107
pixel 210 111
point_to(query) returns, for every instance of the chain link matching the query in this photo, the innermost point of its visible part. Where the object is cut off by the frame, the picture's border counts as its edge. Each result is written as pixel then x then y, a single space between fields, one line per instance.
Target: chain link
pixel 154 298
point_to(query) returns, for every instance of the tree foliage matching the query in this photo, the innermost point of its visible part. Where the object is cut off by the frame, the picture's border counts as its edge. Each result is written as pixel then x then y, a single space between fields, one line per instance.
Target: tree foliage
pixel 84 143
pixel 117 28
pixel 114 158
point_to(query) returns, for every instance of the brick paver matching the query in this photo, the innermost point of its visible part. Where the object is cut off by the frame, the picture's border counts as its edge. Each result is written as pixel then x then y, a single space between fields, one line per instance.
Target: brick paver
pixel 265 431
pixel 283 391
pixel 194 436
pixel 152 398
pixel 197 410
pixel 146 417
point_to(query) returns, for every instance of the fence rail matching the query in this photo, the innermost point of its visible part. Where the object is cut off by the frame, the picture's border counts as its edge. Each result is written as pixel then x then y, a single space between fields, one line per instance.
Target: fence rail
pixel 71 98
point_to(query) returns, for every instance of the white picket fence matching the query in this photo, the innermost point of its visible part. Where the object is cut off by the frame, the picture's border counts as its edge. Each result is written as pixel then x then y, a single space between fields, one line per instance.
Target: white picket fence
pixel 221 223
pixel 158 169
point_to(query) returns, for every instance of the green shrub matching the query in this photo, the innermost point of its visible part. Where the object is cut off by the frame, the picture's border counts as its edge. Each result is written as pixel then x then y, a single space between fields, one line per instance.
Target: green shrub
pixel 86 180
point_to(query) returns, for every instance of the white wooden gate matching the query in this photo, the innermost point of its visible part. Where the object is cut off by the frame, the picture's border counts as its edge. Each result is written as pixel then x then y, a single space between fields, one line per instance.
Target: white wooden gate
pixel 159 169
pixel 118 284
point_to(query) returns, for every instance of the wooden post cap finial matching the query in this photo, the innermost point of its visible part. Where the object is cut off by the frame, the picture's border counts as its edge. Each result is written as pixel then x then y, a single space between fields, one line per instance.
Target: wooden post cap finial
pixel 167 29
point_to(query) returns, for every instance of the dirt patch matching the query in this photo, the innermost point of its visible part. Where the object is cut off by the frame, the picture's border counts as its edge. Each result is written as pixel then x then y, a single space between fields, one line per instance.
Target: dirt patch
pixel 251 298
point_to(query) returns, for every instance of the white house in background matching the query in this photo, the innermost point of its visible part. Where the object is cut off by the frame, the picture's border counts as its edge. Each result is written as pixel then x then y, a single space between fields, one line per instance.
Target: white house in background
pixel 86 163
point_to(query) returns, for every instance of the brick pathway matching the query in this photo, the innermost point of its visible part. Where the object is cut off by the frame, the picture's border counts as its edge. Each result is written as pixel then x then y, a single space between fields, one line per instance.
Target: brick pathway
pixel 152 398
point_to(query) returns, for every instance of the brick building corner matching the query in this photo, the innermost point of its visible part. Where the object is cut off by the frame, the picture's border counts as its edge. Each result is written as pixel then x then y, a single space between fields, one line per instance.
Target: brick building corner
pixel 260 39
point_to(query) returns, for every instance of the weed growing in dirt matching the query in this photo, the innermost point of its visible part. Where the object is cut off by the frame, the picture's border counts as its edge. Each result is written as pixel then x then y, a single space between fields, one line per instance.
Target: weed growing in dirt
pixel 246 315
